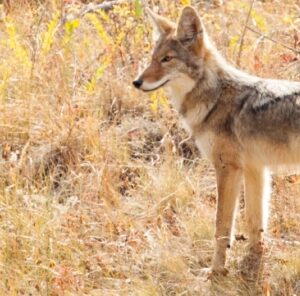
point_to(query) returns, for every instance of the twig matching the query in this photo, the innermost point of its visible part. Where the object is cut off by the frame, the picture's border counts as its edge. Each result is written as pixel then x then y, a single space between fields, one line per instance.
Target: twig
pixel 243 35
pixel 91 7
pixel 273 40
pixel 106 5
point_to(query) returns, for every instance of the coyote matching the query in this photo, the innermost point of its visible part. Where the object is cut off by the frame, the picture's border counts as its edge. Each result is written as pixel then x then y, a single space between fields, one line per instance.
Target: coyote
pixel 245 125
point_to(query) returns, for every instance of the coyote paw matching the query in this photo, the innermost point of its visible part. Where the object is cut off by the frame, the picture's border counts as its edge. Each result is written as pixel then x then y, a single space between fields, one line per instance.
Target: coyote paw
pixel 210 273
pixel 252 262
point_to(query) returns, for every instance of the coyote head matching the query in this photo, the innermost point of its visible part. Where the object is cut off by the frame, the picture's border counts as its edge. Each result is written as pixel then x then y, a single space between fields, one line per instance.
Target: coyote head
pixel 179 53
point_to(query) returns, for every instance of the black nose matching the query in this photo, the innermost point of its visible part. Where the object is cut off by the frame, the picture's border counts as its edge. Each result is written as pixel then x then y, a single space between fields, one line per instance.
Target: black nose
pixel 137 83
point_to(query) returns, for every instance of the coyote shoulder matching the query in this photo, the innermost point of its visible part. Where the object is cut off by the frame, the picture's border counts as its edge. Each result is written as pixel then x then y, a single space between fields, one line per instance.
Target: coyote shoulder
pixel 246 125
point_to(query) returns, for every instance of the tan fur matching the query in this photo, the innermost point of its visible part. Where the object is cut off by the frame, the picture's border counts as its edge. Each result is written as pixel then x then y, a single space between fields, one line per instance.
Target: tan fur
pixel 245 125
pixel 154 73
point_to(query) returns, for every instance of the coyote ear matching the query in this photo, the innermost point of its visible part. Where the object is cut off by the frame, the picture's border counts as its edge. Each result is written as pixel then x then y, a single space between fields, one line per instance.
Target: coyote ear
pixel 189 26
pixel 162 25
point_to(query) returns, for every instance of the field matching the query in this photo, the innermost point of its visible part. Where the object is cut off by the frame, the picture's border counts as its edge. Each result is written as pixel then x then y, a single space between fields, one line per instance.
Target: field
pixel 101 190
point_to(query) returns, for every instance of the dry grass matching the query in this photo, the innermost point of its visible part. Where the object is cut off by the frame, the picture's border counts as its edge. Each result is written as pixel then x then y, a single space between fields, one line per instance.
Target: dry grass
pixel 100 193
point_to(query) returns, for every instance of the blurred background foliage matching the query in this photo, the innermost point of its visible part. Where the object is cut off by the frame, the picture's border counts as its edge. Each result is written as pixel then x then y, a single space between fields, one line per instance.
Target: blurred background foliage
pixel 101 191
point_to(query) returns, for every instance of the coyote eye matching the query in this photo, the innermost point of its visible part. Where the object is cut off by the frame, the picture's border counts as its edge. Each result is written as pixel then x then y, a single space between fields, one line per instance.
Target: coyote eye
pixel 187 40
pixel 166 59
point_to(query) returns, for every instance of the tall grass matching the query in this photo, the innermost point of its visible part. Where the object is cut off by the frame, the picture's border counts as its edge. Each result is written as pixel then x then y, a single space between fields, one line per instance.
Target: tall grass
pixel 101 191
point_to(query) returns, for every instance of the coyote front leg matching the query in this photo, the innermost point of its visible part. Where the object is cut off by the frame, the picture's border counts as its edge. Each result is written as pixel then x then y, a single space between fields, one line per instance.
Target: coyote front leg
pixel 257 191
pixel 228 181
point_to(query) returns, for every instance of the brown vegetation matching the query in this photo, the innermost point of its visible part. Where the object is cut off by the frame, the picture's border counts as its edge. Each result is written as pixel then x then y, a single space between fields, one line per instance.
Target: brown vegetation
pixel 101 191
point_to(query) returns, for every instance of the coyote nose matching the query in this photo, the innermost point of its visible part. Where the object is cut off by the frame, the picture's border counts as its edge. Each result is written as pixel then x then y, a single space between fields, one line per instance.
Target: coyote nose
pixel 137 83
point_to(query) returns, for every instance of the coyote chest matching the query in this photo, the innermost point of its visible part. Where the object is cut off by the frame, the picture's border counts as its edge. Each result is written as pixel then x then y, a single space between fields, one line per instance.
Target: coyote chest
pixel 177 91
pixel 193 116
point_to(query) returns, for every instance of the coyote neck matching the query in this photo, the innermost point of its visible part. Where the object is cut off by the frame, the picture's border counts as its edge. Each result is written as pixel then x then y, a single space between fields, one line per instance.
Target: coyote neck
pixel 192 101
pixel 199 103
pixel 228 73
pixel 195 97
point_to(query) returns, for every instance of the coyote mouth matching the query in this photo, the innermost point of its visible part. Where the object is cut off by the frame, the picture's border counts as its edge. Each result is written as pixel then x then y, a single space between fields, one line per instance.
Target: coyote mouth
pixel 155 88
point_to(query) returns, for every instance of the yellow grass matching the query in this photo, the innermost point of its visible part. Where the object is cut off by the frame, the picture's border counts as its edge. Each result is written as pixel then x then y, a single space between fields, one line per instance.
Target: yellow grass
pixel 101 192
